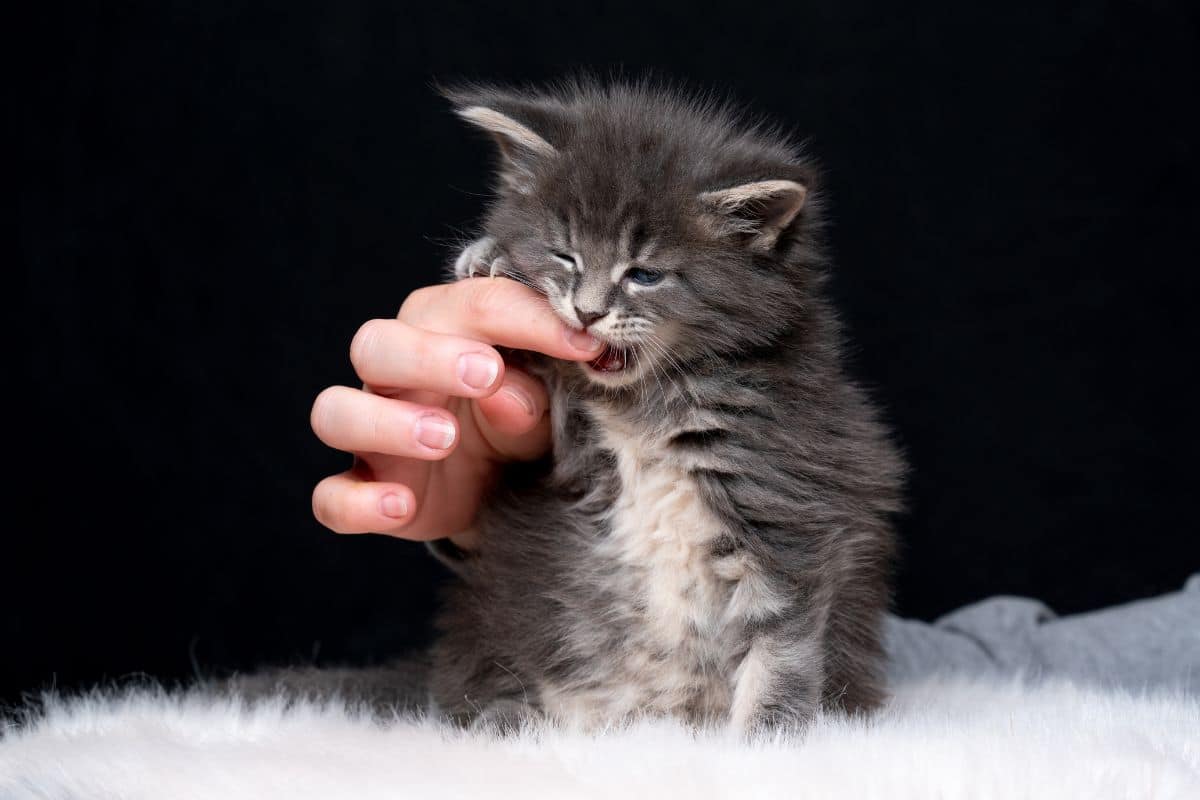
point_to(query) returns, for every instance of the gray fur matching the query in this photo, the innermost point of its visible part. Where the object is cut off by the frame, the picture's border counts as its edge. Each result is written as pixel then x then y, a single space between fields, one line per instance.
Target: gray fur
pixel 740 409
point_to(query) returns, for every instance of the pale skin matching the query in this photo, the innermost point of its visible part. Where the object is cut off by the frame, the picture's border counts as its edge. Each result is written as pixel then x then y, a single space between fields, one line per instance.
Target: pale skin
pixel 439 411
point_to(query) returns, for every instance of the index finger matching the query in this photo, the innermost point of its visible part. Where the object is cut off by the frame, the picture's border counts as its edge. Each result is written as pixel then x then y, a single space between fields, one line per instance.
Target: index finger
pixel 497 311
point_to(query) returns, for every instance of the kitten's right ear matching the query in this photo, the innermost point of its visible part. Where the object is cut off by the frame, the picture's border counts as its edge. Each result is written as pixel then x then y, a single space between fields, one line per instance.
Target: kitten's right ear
pixel 756 213
pixel 521 148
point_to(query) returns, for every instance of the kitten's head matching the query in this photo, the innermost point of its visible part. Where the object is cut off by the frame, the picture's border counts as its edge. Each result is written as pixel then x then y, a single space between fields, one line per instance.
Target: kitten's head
pixel 650 219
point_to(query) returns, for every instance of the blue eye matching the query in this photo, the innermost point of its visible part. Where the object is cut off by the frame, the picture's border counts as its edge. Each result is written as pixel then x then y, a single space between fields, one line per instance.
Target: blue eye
pixel 644 277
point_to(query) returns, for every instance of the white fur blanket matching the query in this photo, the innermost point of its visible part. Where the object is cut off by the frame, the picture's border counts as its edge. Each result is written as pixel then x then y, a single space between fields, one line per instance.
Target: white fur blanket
pixel 947 738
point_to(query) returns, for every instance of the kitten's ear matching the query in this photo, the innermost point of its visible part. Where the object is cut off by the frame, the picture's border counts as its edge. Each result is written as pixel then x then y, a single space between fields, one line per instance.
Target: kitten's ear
pixel 521 148
pixel 757 213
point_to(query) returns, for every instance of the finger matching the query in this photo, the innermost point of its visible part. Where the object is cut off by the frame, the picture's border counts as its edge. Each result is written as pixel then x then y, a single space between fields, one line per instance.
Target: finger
pixel 388 352
pixel 347 504
pixel 499 311
pixel 361 422
pixel 513 421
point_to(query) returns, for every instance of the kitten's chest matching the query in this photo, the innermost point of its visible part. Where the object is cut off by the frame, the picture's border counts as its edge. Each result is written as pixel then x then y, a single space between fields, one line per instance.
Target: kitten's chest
pixel 662 532
pixel 674 623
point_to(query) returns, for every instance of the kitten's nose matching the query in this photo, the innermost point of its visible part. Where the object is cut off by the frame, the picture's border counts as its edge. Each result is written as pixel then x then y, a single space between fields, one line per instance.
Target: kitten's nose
pixel 588 317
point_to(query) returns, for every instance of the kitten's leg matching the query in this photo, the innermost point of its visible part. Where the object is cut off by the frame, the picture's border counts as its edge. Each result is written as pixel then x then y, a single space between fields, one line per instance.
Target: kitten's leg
pixel 777 684
pixel 481 257
pixel 854 658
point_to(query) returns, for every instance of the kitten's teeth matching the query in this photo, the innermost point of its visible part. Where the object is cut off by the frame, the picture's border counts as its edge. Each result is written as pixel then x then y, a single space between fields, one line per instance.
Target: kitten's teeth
pixel 498 266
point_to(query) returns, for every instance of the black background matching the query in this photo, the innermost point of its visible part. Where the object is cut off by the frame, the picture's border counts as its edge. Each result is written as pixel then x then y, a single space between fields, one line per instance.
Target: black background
pixel 213 196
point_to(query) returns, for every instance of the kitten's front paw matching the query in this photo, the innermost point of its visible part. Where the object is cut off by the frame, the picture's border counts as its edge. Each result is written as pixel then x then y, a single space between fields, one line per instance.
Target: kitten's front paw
pixel 774 722
pixel 481 257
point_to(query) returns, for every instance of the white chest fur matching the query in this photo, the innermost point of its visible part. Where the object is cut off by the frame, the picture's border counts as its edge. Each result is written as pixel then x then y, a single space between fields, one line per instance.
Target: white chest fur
pixel 661 528
pixel 661 525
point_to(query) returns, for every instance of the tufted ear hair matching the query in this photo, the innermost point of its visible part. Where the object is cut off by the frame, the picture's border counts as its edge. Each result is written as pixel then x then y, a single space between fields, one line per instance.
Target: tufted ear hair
pixel 757 213
pixel 511 121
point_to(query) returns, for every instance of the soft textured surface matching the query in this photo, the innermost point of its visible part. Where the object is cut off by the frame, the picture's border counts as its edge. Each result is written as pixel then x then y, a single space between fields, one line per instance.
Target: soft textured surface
pixel 978 732
pixel 945 738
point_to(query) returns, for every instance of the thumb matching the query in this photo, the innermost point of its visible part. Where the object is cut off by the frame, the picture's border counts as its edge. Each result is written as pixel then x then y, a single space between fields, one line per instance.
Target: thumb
pixel 514 420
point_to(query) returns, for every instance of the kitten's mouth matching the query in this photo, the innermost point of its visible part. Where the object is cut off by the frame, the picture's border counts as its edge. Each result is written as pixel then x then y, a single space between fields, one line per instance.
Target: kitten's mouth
pixel 612 359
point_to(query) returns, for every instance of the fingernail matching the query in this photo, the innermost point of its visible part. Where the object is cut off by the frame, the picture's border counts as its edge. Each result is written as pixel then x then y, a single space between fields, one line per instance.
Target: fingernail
pixel 477 371
pixel 582 340
pixel 393 505
pixel 521 397
pixel 434 431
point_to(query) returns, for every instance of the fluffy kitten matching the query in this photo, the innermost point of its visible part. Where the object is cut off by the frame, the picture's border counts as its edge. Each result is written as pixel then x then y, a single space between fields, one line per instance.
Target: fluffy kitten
pixel 711 537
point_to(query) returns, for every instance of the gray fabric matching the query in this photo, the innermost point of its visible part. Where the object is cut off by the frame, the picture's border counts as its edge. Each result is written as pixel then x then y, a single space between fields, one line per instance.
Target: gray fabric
pixel 1146 644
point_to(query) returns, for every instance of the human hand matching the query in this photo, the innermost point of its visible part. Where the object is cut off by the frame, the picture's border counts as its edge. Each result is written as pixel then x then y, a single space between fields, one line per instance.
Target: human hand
pixel 439 411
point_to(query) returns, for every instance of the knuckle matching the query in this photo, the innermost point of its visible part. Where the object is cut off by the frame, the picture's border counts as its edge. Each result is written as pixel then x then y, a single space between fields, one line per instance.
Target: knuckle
pixel 380 429
pixel 364 343
pixel 480 298
pixel 323 509
pixel 322 410
pixel 416 301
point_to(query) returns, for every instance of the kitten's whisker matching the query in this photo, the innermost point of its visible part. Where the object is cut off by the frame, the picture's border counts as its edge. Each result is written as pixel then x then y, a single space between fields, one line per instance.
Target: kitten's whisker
pixel 653 372
pixel 683 383
pixel 650 345
pixel 667 397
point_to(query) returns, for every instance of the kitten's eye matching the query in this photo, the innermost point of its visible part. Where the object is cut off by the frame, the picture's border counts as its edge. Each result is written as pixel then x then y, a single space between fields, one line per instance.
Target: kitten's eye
pixel 644 277
pixel 566 259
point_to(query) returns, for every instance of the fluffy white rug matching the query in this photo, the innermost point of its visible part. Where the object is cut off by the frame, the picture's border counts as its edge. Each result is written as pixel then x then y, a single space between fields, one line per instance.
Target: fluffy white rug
pixel 945 738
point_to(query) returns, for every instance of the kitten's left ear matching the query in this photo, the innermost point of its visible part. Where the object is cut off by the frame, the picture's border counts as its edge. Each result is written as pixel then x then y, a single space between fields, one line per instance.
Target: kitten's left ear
pixel 756 212
pixel 521 148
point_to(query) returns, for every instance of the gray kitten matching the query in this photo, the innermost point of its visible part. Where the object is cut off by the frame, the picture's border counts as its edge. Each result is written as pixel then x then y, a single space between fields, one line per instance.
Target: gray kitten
pixel 711 537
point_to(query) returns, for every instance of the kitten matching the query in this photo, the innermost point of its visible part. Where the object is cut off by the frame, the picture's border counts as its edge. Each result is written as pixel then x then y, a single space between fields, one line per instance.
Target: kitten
pixel 711 537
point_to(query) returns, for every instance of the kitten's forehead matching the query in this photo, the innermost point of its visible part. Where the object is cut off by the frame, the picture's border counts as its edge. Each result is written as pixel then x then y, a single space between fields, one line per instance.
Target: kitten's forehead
pixel 610 237
pixel 616 209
